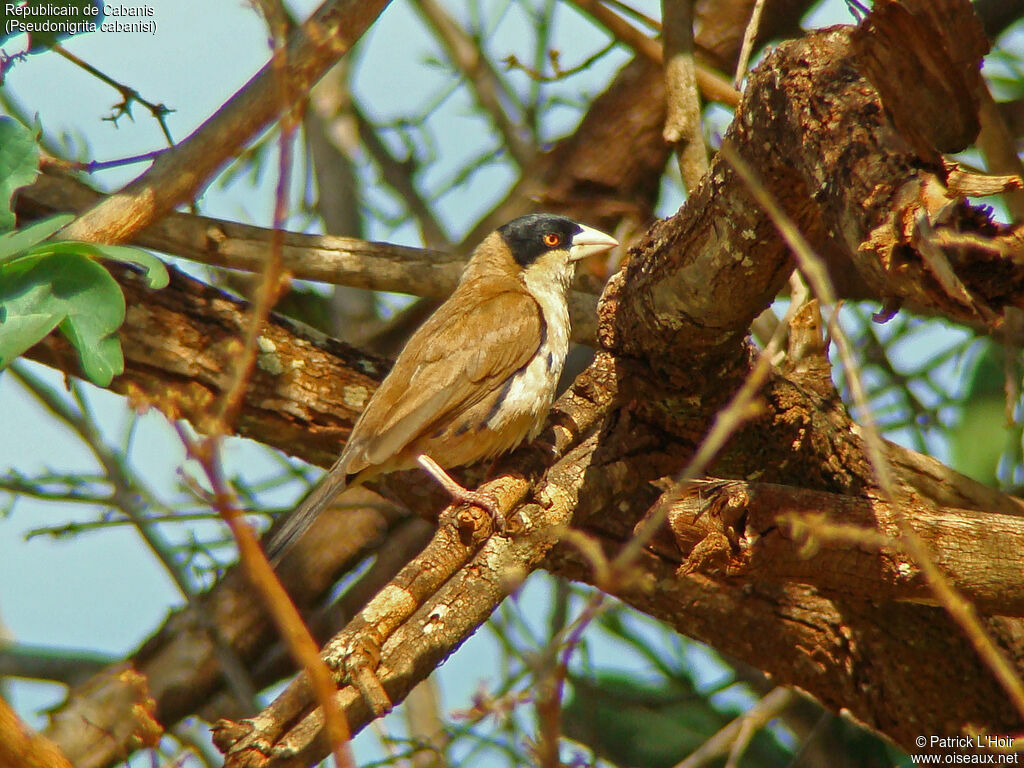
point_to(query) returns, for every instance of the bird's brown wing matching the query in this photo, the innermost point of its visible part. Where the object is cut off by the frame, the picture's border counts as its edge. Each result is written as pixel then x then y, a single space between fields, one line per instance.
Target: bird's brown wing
pixel 451 363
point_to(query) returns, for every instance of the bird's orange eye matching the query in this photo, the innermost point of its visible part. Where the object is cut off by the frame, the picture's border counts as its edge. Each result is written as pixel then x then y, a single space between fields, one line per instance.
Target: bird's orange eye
pixel 551 239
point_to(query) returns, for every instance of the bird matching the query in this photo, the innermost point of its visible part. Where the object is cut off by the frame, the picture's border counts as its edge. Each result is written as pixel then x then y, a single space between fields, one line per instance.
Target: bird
pixel 477 378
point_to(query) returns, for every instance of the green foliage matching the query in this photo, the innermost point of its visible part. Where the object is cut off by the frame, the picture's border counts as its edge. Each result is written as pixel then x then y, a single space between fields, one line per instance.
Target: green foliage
pixel 47 285
pixel 58 284
pixel 19 163
pixel 49 28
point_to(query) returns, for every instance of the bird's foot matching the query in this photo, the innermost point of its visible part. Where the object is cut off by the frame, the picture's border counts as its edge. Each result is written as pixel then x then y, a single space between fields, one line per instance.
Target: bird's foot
pixel 461 494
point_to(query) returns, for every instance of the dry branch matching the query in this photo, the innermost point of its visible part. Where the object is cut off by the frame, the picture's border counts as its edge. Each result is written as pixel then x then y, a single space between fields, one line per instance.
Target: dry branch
pixel 21 748
pixel 440 598
pixel 844 545
pixel 178 175
pixel 323 258
pixel 179 345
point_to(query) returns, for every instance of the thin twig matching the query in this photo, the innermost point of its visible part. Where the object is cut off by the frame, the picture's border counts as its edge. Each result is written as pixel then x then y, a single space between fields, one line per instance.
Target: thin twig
pixel 749 36
pixel 712 85
pixel 537 76
pixel 548 701
pixel 544 20
pixel 682 120
pixel 399 176
pixel 279 605
pixel 737 733
pixel 271 284
pixel 653 24
pixel 960 609
pixel 128 94
pixel 468 57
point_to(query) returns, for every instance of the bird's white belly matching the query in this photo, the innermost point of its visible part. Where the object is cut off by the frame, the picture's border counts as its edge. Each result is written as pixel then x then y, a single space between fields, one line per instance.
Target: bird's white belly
pixel 531 391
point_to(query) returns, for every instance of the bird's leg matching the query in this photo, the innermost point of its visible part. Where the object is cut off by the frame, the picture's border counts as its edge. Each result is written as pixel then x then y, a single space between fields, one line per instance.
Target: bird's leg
pixel 461 494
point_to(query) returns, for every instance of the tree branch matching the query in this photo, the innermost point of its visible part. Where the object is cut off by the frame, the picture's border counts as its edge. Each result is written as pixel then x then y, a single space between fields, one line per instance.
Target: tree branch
pixel 178 174
pixel 323 258
pixel 843 545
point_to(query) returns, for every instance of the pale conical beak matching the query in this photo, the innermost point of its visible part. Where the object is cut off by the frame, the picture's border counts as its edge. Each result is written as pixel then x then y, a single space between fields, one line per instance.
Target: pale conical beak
pixel 588 242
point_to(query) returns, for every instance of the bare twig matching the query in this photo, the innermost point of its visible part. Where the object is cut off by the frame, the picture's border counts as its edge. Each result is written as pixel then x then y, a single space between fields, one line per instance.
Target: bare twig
pixel 279 605
pixel 536 72
pixel 178 174
pixel 682 122
pixel 733 738
pixel 467 56
pixel 552 685
pixel 399 176
pixel 711 84
pixel 749 36
pixel 653 24
pixel 272 276
pixel 128 94
pixel 332 145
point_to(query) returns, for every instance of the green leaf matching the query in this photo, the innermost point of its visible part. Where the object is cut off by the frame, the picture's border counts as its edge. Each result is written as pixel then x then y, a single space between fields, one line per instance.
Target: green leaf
pixel 20 240
pixel 19 164
pixel 156 272
pixel 40 292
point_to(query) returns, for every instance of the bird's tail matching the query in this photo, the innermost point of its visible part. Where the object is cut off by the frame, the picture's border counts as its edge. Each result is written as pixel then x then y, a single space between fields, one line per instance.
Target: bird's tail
pixel 298 521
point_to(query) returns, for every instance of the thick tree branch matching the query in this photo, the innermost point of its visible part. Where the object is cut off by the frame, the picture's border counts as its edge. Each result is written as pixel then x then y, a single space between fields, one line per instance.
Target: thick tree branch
pixel 890 665
pixel 440 598
pixel 843 545
pixel 180 344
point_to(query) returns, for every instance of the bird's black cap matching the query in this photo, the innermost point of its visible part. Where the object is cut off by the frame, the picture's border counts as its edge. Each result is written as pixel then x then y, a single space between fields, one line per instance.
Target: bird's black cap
pixel 530 236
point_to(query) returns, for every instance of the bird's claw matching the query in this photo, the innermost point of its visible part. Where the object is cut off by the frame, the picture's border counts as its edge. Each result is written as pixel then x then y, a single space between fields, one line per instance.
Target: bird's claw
pixel 486 502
